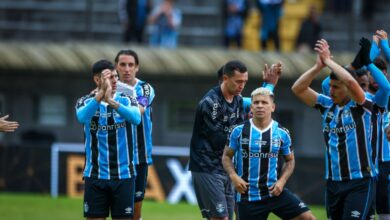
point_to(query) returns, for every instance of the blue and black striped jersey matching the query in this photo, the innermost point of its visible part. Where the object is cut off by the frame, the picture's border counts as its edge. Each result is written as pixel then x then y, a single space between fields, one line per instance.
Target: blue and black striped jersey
pixel 214 120
pixel 143 132
pixel 108 136
pixel 256 156
pixel 347 132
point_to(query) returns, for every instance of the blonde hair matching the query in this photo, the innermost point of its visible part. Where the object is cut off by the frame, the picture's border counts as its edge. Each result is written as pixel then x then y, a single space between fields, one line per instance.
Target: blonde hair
pixel 262 91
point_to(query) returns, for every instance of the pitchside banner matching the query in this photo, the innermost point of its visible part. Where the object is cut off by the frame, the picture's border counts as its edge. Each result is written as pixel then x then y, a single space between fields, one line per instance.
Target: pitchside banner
pixel 169 179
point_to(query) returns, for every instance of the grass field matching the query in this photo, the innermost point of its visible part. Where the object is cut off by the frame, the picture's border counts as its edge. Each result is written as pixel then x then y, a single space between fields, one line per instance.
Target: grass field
pixel 43 207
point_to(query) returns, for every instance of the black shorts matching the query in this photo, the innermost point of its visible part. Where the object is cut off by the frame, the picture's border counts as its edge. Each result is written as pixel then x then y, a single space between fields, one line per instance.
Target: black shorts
pixel 103 196
pixel 383 189
pixel 352 199
pixel 214 193
pixel 140 182
pixel 285 206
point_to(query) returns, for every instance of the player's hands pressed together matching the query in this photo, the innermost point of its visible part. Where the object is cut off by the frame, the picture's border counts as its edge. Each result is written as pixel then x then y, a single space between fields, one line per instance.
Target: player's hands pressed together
pixel 272 74
pixel 240 185
pixel 108 95
pixel 322 48
pixel 8 126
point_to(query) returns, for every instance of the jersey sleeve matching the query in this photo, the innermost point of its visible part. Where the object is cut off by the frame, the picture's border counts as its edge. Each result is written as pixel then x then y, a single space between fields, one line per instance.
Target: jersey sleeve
pixel 86 108
pixel 323 102
pixel 382 95
pixel 235 138
pixel 128 109
pixel 325 85
pixel 286 143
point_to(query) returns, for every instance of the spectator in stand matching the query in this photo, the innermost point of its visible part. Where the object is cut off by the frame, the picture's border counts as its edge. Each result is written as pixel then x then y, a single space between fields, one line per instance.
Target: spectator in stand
pixel 235 14
pixel 310 32
pixel 271 11
pixel 165 21
pixel 133 15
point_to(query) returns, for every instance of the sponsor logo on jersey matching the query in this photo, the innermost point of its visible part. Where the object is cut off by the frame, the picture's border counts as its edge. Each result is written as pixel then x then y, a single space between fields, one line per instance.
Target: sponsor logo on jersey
pixel 245 154
pixel 339 130
pixel 115 126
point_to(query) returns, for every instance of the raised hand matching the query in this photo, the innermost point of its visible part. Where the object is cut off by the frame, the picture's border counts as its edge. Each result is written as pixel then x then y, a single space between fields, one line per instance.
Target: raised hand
pixel 382 35
pixel 322 48
pixel 271 75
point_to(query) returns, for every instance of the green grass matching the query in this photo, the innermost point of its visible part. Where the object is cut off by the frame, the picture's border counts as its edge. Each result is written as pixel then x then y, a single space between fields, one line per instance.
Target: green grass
pixel 43 207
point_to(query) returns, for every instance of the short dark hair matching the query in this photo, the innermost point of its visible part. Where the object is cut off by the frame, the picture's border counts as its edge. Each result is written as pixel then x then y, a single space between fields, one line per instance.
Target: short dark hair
pixel 352 72
pixel 127 52
pixel 380 63
pixel 232 66
pixel 101 65
pixel 361 72
pixel 220 74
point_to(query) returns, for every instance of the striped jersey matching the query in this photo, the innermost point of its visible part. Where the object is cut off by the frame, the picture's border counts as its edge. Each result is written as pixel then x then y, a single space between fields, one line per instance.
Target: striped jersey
pixel 347 132
pixel 108 136
pixel 143 132
pixel 256 156
pixel 380 121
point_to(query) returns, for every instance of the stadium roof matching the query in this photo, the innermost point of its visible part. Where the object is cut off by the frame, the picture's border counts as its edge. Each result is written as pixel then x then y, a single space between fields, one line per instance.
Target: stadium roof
pixel 75 58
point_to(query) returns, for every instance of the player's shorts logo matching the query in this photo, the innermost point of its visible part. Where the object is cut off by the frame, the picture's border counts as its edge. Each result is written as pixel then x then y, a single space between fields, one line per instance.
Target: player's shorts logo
pixel 86 207
pixel 355 214
pixel 220 208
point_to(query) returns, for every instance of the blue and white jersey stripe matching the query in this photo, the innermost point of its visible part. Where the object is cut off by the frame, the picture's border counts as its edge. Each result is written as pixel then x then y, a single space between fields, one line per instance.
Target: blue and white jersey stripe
pixel 256 156
pixel 143 132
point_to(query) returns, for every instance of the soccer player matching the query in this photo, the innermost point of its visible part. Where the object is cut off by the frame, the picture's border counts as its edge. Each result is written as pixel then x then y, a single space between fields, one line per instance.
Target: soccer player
pixel 127 65
pixel 255 146
pixel 108 118
pixel 346 121
pixel 8 126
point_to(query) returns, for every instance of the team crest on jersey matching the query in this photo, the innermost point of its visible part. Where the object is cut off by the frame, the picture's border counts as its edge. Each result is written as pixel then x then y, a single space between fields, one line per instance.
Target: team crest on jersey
pixel 220 207
pixel 346 113
pixel 276 142
pixel 330 115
